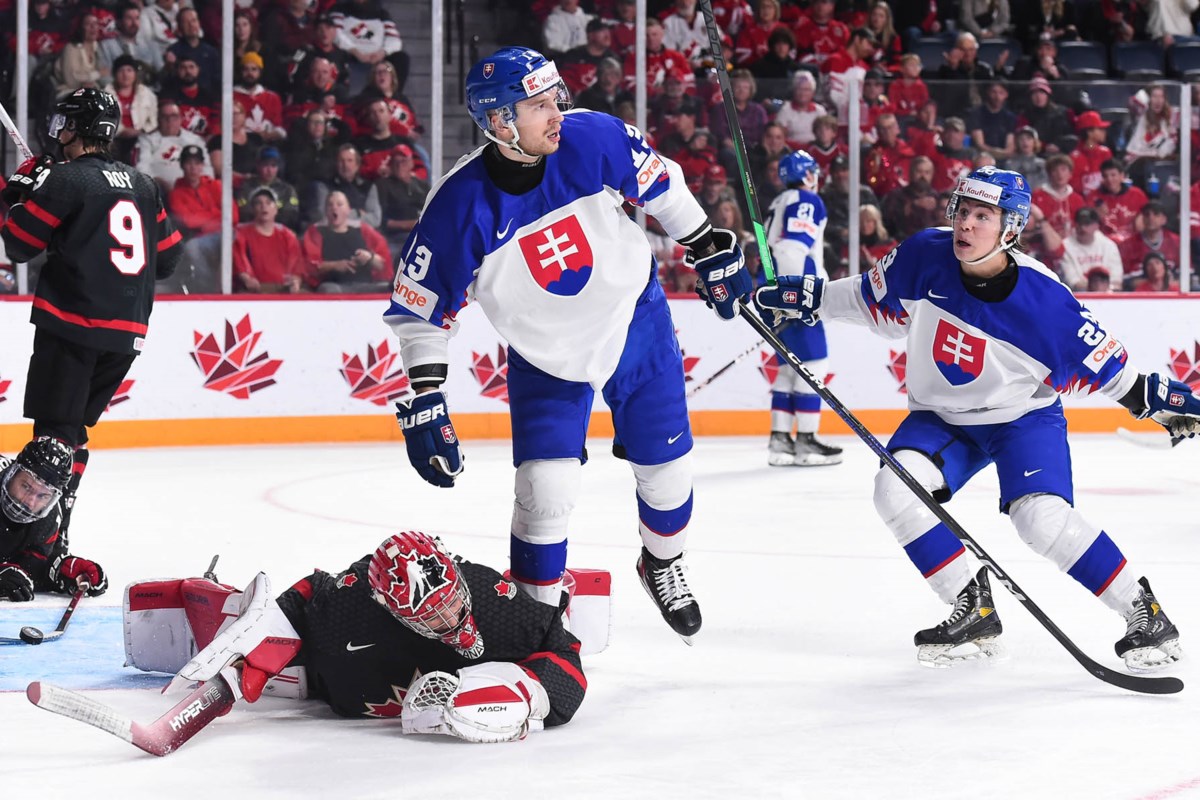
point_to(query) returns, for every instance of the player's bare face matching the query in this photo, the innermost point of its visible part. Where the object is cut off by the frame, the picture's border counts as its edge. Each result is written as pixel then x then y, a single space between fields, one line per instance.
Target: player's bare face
pixel 977 229
pixel 539 124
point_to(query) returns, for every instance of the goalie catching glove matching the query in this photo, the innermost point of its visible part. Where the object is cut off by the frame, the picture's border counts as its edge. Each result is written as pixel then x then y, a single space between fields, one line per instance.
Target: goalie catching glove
pixel 1171 404
pixel 792 297
pixel 491 702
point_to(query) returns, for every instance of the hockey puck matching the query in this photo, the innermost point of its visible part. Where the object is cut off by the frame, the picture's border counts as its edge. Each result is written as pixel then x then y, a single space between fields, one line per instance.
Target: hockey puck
pixel 31 635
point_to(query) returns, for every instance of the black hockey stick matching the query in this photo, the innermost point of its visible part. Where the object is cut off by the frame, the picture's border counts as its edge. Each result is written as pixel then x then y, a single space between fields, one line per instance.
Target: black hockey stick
pixel 32 635
pixel 1135 683
pixel 736 359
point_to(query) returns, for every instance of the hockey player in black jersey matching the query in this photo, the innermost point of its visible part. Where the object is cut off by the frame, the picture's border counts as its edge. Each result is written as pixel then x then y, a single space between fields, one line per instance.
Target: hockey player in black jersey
pixel 449 646
pixel 34 553
pixel 107 238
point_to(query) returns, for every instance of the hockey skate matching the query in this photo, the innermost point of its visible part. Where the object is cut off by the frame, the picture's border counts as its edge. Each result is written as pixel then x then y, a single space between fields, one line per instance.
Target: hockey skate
pixel 973 624
pixel 781 450
pixel 812 452
pixel 663 580
pixel 1151 641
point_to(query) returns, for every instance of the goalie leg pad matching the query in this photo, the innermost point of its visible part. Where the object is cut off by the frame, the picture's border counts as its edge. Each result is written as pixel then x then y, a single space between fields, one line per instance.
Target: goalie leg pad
pixel 546 491
pixel 166 622
pixel 491 702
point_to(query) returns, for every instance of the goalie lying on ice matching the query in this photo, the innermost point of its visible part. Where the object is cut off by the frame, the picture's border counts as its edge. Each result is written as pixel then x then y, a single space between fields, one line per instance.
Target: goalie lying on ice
pixel 448 646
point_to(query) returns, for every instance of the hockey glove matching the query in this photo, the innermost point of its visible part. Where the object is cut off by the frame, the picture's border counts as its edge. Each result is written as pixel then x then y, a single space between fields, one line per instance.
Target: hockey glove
pixel 15 584
pixel 496 701
pixel 793 297
pixel 723 276
pixel 22 183
pixel 1173 405
pixel 429 436
pixel 66 573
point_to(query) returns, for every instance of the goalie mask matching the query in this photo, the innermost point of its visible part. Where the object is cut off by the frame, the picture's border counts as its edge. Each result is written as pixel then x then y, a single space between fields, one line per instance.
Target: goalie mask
pixel 34 482
pixel 415 579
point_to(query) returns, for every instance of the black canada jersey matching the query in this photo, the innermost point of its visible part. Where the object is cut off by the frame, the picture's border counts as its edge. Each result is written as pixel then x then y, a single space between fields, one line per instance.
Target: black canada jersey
pixel 32 546
pixel 361 660
pixel 107 239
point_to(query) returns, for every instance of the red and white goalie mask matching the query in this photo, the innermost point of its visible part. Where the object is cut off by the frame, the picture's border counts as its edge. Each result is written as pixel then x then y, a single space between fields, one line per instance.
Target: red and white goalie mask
pixel 414 578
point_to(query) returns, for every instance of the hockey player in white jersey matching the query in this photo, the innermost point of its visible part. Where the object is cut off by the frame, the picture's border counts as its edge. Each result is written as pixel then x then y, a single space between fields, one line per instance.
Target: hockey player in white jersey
pixel 532 227
pixel 993 340
pixel 796 234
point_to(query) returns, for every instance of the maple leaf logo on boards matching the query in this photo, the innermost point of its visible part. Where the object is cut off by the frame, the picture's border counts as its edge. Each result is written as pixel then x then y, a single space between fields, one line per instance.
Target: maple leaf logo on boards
pixel 232 368
pixel 4 390
pixel 121 395
pixel 689 362
pixel 898 366
pixel 1185 366
pixel 492 376
pixel 379 380
pixel 769 367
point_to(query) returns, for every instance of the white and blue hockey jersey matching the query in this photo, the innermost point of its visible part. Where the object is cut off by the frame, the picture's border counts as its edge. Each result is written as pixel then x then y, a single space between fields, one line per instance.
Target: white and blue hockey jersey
pixel 974 362
pixel 796 231
pixel 557 269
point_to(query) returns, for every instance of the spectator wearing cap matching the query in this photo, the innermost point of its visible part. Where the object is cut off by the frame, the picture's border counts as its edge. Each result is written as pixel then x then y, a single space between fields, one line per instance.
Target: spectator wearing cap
pixel 751 42
pixel 987 19
pixel 195 207
pixel 874 104
pixel 993 125
pixel 377 143
pixel 798 115
pixel 578 66
pixel 189 43
pixel 1117 201
pixel 197 102
pixel 887 162
pixel 1155 275
pixel 606 93
pixel 661 61
pixel 1026 159
pixel 1152 236
pixel 266 175
pixel 774 70
pixel 1087 248
pixel 246 147
pixel 908 92
pixel 912 208
pixel 685 31
pixel 346 255
pixel 665 108
pixel 130 41
pixel 752 117
pixel 1090 153
pixel 401 195
pixel 1044 58
pixel 263 107
pixel 565 28
pixel 359 192
pixel 324 45
pixel 138 104
pixel 157 153
pixel 825 146
pixel 267 257
pixel 821 34
pixel 845 66
pixel 714 188
pixel 953 159
pixel 964 74
pixel 1057 200
pixel 836 195
pixel 1047 117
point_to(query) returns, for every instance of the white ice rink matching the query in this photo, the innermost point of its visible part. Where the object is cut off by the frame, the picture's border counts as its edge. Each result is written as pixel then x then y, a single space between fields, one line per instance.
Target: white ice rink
pixel 802 684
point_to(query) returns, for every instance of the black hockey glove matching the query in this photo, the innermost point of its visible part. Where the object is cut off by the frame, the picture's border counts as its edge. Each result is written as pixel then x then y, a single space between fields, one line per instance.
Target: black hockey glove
pixel 25 179
pixel 68 572
pixel 15 584
pixel 723 276
pixel 429 436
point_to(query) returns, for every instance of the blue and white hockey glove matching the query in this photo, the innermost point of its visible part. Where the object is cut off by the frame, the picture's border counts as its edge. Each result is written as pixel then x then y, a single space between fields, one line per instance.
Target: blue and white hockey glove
pixel 792 297
pixel 429 436
pixel 723 276
pixel 1173 405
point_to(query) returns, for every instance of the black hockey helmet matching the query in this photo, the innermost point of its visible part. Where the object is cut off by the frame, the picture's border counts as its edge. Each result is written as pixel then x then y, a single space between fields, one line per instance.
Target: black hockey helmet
pixel 47 464
pixel 90 113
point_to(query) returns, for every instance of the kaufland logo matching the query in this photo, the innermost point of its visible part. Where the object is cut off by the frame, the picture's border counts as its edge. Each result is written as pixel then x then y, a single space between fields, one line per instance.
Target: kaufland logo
pixel 378 378
pixel 978 190
pixel 539 80
pixel 231 366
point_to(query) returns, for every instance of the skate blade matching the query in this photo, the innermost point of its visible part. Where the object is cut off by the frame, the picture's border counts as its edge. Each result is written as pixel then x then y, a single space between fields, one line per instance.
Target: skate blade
pixel 942 656
pixel 687 640
pixel 1153 659
pixel 781 460
pixel 817 461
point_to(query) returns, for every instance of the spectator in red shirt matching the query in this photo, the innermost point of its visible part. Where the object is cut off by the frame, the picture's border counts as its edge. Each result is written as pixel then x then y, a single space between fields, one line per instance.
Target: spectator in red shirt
pixel 195 207
pixel 751 42
pixel 952 160
pixel 874 242
pixel 264 108
pixel 266 255
pixel 925 136
pixel 346 258
pixel 289 29
pixel 848 65
pixel 1154 237
pixel 1090 153
pixel 197 103
pixel 913 208
pixel 825 146
pixel 1058 199
pixel 880 22
pixel 578 66
pixel 820 35
pixel 874 104
pixel 660 61
pixel 909 92
pixel 1117 202
pixel 624 29
pixel 1155 276
pixel 887 161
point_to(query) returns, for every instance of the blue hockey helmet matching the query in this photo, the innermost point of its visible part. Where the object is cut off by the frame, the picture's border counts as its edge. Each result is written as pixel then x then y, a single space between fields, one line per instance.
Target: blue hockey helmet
pixel 498 82
pixel 1005 189
pixel 798 167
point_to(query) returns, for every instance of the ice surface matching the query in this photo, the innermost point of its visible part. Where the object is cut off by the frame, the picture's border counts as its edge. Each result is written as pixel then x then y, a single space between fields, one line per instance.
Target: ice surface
pixel 802 684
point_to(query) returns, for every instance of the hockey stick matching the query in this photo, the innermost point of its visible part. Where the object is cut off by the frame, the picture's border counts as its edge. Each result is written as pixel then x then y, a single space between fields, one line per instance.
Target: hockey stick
pixel 15 134
pixel 1152 441
pixel 165 735
pixel 1135 683
pixel 32 635
pixel 753 348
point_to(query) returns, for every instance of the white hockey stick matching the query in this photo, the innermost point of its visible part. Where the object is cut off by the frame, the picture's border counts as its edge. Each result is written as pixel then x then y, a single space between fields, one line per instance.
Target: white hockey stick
pixel 162 737
pixel 15 134
pixel 1154 441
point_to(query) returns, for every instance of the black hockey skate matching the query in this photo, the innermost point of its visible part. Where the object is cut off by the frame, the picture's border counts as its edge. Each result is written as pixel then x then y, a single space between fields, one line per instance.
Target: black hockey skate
pixel 973 621
pixel 781 450
pixel 1151 641
pixel 663 580
pixel 812 452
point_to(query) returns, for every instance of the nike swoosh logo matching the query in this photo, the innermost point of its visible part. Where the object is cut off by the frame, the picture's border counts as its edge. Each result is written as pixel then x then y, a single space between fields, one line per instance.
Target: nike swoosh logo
pixel 937 296
pixel 503 233
pixel 1029 472
pixel 675 438
pixel 351 647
